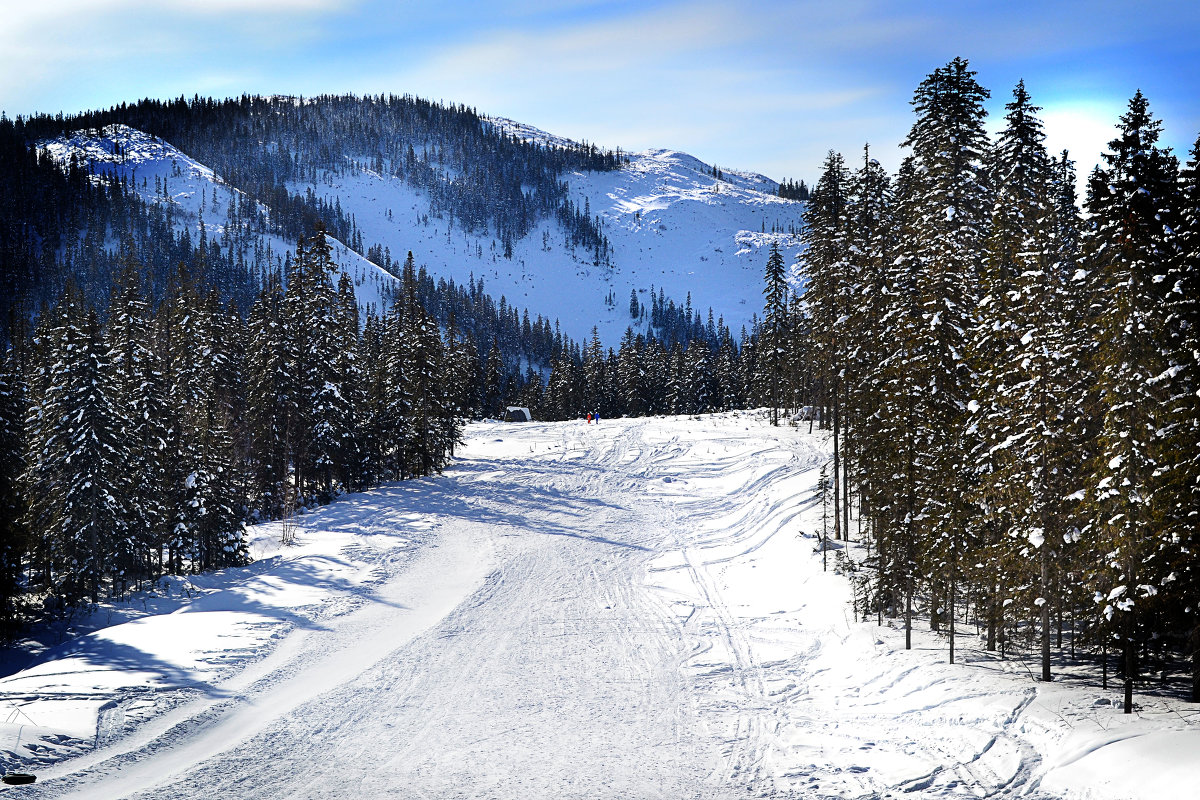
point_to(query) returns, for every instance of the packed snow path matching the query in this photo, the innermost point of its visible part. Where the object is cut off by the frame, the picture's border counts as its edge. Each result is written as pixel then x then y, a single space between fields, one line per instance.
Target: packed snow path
pixel 628 610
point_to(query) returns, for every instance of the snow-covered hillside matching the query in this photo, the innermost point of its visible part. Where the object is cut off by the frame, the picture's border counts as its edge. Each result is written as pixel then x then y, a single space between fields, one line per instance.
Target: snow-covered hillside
pixel 672 226
pixel 636 609
pixel 200 200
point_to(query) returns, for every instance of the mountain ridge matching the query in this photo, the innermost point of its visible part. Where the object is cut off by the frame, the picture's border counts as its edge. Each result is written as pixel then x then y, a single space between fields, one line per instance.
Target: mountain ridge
pixel 674 227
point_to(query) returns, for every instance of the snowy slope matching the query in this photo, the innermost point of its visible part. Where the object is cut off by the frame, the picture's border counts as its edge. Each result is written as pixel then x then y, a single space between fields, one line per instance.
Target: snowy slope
pixel 671 226
pixel 630 610
pixel 198 197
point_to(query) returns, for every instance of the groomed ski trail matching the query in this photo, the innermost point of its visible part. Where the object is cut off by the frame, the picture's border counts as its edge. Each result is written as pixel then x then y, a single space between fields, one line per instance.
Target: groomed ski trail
pixel 626 610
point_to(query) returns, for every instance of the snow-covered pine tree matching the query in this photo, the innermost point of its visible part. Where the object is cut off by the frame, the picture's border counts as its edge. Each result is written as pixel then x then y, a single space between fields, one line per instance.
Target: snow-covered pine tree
pixel 655 365
pixel 730 383
pixel 1182 443
pixel 75 451
pixel 494 378
pixel 772 346
pixel 300 388
pixel 1022 418
pixel 631 374
pixel 595 375
pixel 396 419
pixel 1077 309
pixel 868 209
pixel 698 371
pixel 562 400
pixel 208 521
pixel 452 384
pixel 322 347
pixel 430 400
pixel 951 206
pixel 674 380
pixel 825 264
pixel 896 426
pixel 1133 205
pixel 351 457
pixel 14 536
pixel 138 385
pixel 268 379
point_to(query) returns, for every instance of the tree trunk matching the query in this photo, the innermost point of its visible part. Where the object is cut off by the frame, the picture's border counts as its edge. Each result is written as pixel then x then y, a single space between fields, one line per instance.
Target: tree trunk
pixel 1045 612
pixel 952 598
pixel 908 593
pixel 1130 666
pixel 1104 665
pixel 935 618
pixel 846 473
pixel 837 515
pixel 991 622
pixel 1196 664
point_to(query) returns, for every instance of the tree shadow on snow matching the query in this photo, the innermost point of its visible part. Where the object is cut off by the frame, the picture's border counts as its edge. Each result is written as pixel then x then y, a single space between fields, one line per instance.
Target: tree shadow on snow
pixel 463 493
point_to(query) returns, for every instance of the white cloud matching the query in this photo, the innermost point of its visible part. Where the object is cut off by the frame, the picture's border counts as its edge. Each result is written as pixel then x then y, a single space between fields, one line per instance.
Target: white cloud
pixel 54 52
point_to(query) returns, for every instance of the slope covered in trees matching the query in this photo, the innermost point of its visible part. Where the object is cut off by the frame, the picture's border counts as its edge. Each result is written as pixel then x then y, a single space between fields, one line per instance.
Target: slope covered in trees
pixel 139 445
pixel 1012 387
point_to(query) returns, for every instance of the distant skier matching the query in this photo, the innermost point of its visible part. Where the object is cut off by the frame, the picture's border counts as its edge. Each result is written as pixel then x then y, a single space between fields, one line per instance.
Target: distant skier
pixel 589 418
pixel 596 416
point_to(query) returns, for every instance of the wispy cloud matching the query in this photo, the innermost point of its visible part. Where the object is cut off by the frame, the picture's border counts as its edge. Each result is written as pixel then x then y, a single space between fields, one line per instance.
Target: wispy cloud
pixel 771 85
pixel 72 54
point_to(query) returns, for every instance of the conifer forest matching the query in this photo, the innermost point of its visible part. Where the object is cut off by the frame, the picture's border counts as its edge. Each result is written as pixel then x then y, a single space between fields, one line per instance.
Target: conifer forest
pixel 1011 380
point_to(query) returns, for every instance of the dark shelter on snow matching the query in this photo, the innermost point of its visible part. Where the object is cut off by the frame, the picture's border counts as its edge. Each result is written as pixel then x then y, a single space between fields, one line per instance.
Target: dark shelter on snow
pixel 517 414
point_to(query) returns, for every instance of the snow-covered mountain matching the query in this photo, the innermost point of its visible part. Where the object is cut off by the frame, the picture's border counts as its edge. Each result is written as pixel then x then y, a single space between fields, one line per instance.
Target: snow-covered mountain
pixel 201 202
pixel 671 224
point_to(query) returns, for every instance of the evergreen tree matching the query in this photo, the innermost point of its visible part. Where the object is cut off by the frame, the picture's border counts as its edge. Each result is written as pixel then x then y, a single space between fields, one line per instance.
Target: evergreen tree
pixel 950 206
pixel 868 211
pixel 139 389
pixel 14 536
pixel 74 455
pixel 1183 442
pixel 1026 378
pixel 776 293
pixel 322 365
pixel 207 531
pixel 268 389
pixel 827 269
pixel 631 374
pixel 1133 205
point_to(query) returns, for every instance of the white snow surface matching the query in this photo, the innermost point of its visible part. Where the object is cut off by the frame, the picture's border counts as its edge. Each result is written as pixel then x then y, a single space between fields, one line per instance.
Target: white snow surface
pixel 635 609
pixel 670 224
pixel 128 153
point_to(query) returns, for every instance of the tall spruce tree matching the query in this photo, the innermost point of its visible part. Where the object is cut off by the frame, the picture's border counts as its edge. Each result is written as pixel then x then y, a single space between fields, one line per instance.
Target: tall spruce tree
pixel 139 389
pixel 1133 204
pixel 951 210
pixel 1184 439
pixel 74 455
pixel 14 536
pixel 268 380
pixel 774 344
pixel 827 268
pixel 1026 378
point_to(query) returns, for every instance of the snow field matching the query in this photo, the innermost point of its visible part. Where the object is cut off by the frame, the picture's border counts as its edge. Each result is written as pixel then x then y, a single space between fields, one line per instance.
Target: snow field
pixel 634 609
pixel 670 225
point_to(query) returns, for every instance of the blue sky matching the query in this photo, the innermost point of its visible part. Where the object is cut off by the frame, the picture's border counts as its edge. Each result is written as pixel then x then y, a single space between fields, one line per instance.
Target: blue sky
pixel 769 86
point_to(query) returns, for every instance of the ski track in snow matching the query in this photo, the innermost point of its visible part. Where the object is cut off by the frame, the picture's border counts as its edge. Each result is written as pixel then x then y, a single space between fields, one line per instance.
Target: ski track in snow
pixel 633 609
